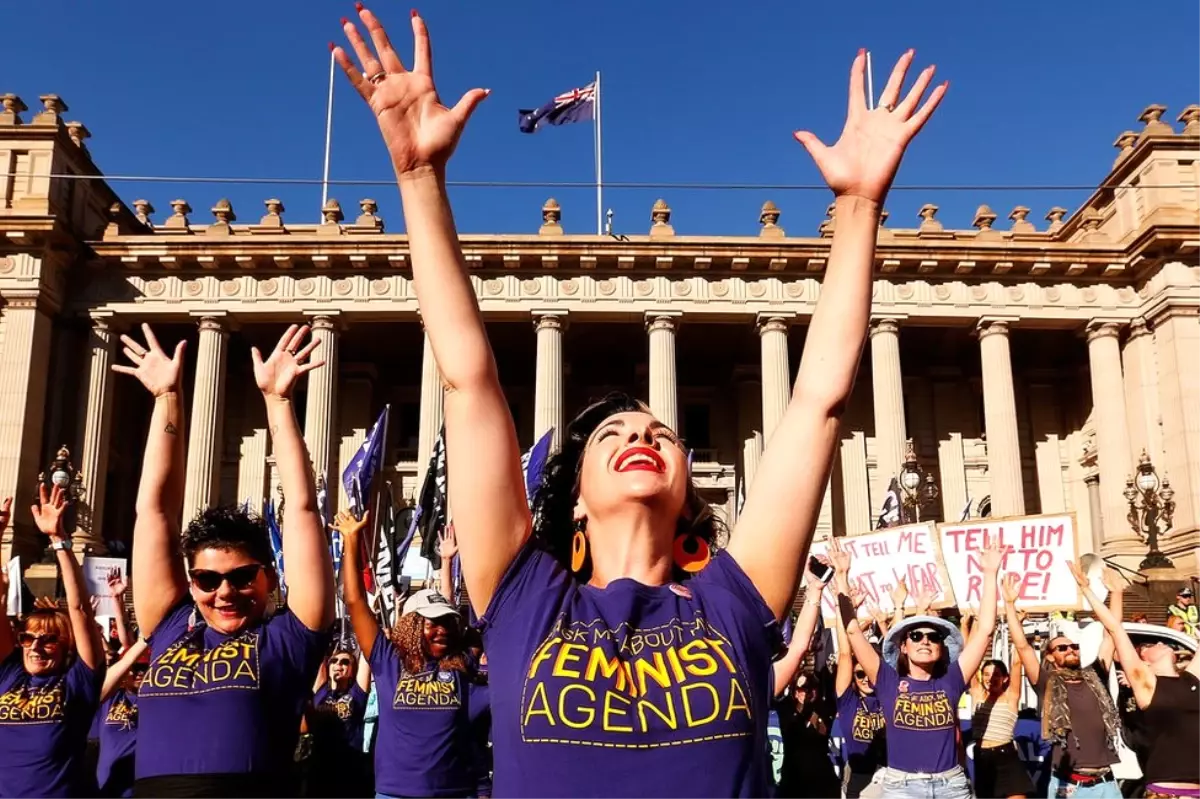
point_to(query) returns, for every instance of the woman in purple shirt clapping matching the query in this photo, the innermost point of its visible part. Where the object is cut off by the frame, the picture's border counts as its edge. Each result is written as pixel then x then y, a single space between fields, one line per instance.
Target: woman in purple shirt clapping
pixel 626 658
pixel 919 681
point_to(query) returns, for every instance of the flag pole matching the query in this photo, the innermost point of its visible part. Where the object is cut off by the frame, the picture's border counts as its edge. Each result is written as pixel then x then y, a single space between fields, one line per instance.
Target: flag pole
pixel 599 161
pixel 870 85
pixel 328 132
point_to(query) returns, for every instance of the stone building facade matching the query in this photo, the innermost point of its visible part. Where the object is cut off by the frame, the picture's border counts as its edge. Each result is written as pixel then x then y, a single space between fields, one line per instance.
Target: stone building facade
pixel 1030 366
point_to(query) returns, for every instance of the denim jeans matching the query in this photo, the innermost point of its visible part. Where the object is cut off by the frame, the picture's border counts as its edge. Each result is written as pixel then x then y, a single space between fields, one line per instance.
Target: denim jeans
pixel 950 784
pixel 1101 790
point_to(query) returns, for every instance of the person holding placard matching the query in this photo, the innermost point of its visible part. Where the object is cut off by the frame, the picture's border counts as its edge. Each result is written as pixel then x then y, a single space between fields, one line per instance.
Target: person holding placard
pixel 864 747
pixel 1169 699
pixel 1078 715
pixel 919 681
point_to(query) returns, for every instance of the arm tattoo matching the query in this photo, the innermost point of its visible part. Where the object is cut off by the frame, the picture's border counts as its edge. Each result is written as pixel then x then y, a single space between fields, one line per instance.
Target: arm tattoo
pixel 274 430
pixel 171 429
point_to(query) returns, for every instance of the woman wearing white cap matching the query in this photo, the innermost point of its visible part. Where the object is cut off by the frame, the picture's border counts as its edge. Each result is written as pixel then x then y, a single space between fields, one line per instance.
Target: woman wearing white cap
pixel 424 682
pixel 919 682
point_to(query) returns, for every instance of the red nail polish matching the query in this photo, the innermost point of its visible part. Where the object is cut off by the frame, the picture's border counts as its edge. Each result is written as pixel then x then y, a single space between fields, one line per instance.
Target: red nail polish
pixel 344 21
pixel 414 13
pixel 331 46
pixel 862 50
pixel 358 6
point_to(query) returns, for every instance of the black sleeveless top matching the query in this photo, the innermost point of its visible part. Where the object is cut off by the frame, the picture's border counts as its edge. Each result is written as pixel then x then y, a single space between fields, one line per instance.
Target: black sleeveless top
pixel 1172 722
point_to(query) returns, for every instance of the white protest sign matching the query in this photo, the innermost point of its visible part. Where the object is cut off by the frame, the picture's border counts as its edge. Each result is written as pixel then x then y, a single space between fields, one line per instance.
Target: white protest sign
pixel 14 586
pixel 1040 547
pixel 880 559
pixel 95 577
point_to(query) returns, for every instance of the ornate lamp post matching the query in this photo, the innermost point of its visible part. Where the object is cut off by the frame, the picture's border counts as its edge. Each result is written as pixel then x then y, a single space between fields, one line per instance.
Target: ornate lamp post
pixel 1151 509
pixel 919 488
pixel 62 473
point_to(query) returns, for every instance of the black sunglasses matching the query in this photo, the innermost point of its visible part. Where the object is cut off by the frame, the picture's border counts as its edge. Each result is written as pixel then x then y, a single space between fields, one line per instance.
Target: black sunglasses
pixel 1060 648
pixel 859 674
pixel 340 662
pixel 239 579
pixel 917 636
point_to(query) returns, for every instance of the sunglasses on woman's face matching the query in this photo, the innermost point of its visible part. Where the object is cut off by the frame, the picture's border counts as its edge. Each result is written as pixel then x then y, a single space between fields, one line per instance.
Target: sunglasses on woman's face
pixel 29 640
pixel 1061 648
pixel 239 579
pixel 860 674
pixel 340 662
pixel 933 636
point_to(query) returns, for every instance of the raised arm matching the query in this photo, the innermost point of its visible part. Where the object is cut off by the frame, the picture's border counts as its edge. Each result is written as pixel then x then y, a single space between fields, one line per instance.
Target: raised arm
pixel 159 580
pixel 1030 660
pixel 8 637
pixel 1141 679
pixel 977 646
pixel 899 597
pixel 1015 676
pixel 305 550
pixel 364 671
pixel 845 667
pixel 483 459
pixel 354 593
pixel 47 514
pixel 117 586
pixel 776 526
pixel 806 625
pixel 1116 603
pixel 864 653
pixel 448 549
pixel 118 670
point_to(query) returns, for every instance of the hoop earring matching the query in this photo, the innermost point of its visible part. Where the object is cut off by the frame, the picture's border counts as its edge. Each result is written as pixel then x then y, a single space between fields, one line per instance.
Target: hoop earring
pixel 692 553
pixel 579 547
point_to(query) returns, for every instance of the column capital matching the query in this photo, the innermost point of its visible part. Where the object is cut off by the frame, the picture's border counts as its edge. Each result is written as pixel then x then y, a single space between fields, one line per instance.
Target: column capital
pixel 663 320
pixel 105 320
pixel 1102 328
pixel 331 320
pixel 993 325
pixel 885 324
pixel 773 322
pixel 1139 327
pixel 549 320
pixel 212 321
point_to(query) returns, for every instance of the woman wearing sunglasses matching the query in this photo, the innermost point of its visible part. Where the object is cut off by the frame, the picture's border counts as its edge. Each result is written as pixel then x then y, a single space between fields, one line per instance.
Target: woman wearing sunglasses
pixel 919 681
pixel 219 709
pixel 50 677
pixel 597 579
pixel 118 721
pixel 335 721
pixel 859 712
pixel 426 744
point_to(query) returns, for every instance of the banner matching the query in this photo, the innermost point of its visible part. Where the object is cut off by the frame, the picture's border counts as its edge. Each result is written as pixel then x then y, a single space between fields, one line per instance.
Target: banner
pixel 880 559
pixel 15 593
pixel 95 578
pixel 1042 546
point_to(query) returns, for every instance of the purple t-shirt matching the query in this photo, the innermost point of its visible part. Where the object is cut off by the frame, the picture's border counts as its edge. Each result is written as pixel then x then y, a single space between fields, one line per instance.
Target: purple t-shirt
pixel 424 737
pixel 337 717
pixel 922 719
pixel 118 739
pixel 629 690
pixel 43 729
pixel 862 724
pixel 220 704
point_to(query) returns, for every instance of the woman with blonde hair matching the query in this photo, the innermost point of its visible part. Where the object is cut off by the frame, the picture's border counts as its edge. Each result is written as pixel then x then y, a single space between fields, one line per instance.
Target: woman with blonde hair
pixel 50 677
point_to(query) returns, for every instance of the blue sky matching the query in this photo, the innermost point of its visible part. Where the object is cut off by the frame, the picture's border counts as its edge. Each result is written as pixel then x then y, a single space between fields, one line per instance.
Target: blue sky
pixel 693 92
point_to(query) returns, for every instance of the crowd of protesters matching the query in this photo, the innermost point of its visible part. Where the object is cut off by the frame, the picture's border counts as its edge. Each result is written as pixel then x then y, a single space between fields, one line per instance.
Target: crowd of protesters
pixel 620 642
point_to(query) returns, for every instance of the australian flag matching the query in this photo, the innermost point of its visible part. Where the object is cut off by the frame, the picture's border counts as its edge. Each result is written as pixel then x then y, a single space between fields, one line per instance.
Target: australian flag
pixel 276 537
pixel 577 105
pixel 532 463
pixel 361 470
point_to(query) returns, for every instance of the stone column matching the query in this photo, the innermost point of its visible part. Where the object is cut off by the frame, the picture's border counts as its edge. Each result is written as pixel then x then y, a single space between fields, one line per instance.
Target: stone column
pixel 887 392
pixel 252 468
pixel 860 517
pixel 431 411
pixel 1047 447
pixel 320 409
pixel 1000 419
pixel 548 386
pixel 1092 481
pixel 97 430
pixel 1141 391
pixel 206 417
pixel 776 382
pixel 749 420
pixel 354 420
pixel 24 356
pixel 1112 425
pixel 1177 346
pixel 664 390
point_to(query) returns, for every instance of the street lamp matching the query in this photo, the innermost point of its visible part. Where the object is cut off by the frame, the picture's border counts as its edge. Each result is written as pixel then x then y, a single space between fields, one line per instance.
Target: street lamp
pixel 919 488
pixel 62 473
pixel 1149 507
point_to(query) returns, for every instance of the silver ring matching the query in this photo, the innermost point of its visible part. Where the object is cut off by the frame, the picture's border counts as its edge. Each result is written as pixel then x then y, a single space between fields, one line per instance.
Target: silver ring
pixel 378 76
pixel 888 107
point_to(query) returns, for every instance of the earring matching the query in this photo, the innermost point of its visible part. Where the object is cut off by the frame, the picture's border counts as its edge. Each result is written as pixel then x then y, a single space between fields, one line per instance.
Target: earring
pixel 692 553
pixel 579 547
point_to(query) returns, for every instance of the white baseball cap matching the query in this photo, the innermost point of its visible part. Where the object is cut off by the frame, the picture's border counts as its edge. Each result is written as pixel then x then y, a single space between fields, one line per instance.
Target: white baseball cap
pixel 430 604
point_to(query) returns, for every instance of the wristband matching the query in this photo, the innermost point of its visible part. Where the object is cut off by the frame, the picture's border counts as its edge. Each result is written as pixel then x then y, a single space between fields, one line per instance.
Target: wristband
pixel 63 544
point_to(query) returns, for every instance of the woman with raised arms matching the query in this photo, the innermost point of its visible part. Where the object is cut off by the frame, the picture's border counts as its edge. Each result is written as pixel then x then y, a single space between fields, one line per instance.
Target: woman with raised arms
pixel 611 674
pixel 219 709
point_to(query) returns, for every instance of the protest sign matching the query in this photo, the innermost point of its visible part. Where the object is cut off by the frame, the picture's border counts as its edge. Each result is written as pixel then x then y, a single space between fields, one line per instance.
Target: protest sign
pixel 14 586
pixel 880 559
pixel 1040 547
pixel 95 576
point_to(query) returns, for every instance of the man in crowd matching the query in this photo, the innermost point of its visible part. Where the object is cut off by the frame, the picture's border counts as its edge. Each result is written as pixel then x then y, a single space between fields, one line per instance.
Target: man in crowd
pixel 1078 715
pixel 1186 612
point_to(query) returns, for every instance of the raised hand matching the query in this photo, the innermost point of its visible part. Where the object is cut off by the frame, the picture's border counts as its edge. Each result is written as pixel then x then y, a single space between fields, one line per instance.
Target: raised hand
pixel 116 583
pixel 419 131
pixel 924 601
pixel 1080 577
pixel 839 557
pixel 45 603
pixel 864 160
pixel 156 371
pixel 345 523
pixel 1113 581
pixel 899 594
pixel 447 542
pixel 277 376
pixel 1008 586
pixel 47 514
pixel 991 558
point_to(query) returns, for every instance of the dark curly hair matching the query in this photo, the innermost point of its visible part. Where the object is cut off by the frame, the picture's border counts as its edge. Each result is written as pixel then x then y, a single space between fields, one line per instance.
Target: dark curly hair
pixel 558 491
pixel 229 527
pixel 408 636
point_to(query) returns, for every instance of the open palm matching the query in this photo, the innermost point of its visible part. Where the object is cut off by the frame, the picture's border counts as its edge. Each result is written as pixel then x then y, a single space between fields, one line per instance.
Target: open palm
pixel 419 131
pixel 864 160
pixel 277 375
pixel 157 371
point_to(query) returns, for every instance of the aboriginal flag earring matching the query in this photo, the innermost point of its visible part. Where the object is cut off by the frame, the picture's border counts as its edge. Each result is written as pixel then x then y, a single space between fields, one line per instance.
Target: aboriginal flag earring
pixel 692 553
pixel 579 546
